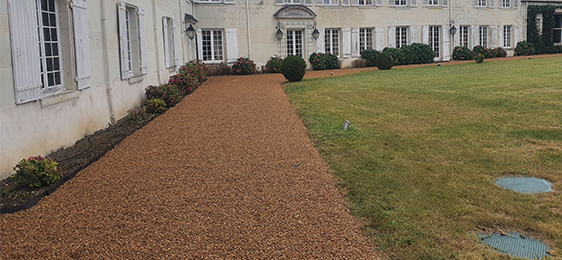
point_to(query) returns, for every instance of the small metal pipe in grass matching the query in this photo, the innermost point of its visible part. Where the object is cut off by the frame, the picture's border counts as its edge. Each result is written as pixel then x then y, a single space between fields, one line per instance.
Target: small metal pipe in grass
pixel 346 125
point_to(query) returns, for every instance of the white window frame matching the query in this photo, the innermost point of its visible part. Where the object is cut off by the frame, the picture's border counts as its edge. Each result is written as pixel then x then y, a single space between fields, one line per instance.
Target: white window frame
pixel 435 39
pixel 483 35
pixel 505 4
pixel 132 38
pixel 295 41
pixel 329 2
pixel 557 29
pixel 170 42
pixel 216 52
pixel 332 41
pixel 400 2
pixel 401 36
pixel 481 3
pixel 464 36
pixel 365 39
pixel 433 3
pixel 365 2
pixel 507 34
pixel 292 2
pixel 215 1
pixel 55 56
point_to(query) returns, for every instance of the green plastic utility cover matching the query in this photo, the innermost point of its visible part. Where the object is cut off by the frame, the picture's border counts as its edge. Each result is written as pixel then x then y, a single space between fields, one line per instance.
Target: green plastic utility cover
pixel 524 184
pixel 516 245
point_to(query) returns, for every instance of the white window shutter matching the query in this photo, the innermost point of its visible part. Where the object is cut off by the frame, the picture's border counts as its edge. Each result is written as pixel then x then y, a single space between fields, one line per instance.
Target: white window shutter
pixel 475 35
pixel 425 34
pixel 446 50
pixel 231 44
pixel 166 43
pixel 378 2
pixel 379 38
pixel 414 34
pixel 493 36
pixel 346 42
pixel 355 42
pixel 319 2
pixel 345 2
pixel 425 3
pixel 175 42
pixel 81 43
pixel 390 2
pixel 492 3
pixel 475 3
pixel 25 54
pixel 514 3
pixel 392 36
pixel 308 2
pixel 229 1
pixel 354 2
pixel 413 3
pixel 199 45
pixel 515 36
pixel 457 39
pixel 124 54
pixel 320 44
pixel 278 2
pixel 500 36
pixel 445 3
pixel 142 41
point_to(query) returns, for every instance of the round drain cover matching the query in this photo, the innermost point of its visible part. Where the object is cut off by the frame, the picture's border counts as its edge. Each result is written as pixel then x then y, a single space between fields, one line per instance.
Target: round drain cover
pixel 515 244
pixel 524 184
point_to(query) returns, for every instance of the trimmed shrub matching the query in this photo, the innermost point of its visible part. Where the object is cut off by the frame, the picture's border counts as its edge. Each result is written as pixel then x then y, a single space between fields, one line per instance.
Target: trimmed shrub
pixel 384 61
pixel 167 92
pixel 36 172
pixel 244 66
pixel 137 114
pixel 321 61
pixel 359 63
pixel 498 52
pixel 155 106
pixel 197 69
pixel 462 53
pixel 219 69
pixel 417 53
pixel 293 68
pixel 479 58
pixel 274 64
pixel 397 55
pixel 482 50
pixel 558 49
pixel 524 48
pixel 371 56
pixel 184 82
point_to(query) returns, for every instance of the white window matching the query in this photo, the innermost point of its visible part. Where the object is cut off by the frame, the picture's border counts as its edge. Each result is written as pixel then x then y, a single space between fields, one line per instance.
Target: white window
pixel 505 3
pixel 557 29
pixel 401 37
pixel 365 39
pixel 49 44
pixel 170 51
pixel 507 36
pixel 212 43
pixel 400 2
pixel 483 36
pixel 331 41
pixel 434 39
pixel 215 1
pixel 294 43
pixel 132 38
pixel 297 2
pixel 463 34
pixel 329 2
pixel 366 2
pixel 433 2
pixel 480 3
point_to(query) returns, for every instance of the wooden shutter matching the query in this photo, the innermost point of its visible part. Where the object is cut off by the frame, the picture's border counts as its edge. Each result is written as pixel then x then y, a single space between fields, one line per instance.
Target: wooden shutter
pixel 354 2
pixel 425 34
pixel 142 41
pixel 378 2
pixel 229 1
pixel 446 50
pixel 475 35
pixel 25 54
pixel 390 2
pixel 500 36
pixel 414 34
pixel 493 36
pixel 199 45
pixel 392 36
pixel 175 42
pixel 475 3
pixel 124 54
pixel 320 44
pixel 413 3
pixel 345 2
pixel 379 38
pixel 445 3
pixel 278 2
pixel 308 2
pixel 231 44
pixel 491 3
pixel 81 43
pixel 425 3
pixel 166 43
pixel 355 42
pixel 346 42
pixel 457 38
pixel 515 36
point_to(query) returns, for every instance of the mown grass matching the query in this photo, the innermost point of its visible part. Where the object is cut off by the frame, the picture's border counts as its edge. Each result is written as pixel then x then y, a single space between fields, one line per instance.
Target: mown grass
pixel 426 145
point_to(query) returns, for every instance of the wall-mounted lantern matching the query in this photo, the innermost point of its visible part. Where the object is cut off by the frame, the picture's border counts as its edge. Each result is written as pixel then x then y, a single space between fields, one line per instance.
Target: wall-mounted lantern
pixel 315 33
pixel 279 33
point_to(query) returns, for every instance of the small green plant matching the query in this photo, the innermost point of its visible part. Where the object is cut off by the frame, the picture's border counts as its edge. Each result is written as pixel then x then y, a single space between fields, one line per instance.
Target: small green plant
pixel 417 53
pixel 384 61
pixel 36 172
pixel 293 68
pixel 167 92
pixel 524 48
pixel 397 55
pixel 371 56
pixel 137 114
pixel 462 53
pixel 244 66
pixel 478 49
pixel 321 61
pixel 155 106
pixel 359 63
pixel 274 64
pixel 479 58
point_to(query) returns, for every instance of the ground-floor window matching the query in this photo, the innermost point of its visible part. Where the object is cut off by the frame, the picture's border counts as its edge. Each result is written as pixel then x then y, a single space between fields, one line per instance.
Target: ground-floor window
pixel 483 33
pixel 49 43
pixel 294 43
pixel 332 41
pixel 463 34
pixel 365 39
pixel 507 36
pixel 557 30
pixel 401 37
pixel 434 39
pixel 212 45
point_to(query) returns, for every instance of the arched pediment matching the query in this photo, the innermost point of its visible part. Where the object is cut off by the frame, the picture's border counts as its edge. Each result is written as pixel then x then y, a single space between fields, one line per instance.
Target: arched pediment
pixel 294 12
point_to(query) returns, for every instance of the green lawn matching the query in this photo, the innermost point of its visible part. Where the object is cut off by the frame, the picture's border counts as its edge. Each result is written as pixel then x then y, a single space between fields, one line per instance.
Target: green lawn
pixel 426 145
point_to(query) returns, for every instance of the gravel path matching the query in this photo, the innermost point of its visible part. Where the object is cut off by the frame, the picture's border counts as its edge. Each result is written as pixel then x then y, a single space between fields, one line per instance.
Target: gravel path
pixel 228 173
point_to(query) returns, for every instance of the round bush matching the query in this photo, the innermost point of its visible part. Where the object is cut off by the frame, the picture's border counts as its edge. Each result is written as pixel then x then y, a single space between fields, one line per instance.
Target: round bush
pixel 274 64
pixel 462 53
pixel 524 48
pixel 479 58
pixel 384 61
pixel 371 56
pixel 243 66
pixel 397 55
pixel 293 68
pixel 417 53
pixel 482 50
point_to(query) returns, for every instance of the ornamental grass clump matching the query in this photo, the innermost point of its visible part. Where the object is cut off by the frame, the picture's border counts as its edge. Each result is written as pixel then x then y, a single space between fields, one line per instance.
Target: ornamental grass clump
pixel 36 172
pixel 385 61
pixel 371 56
pixel 324 61
pixel 462 53
pixel 244 66
pixel 155 106
pixel 274 64
pixel 479 58
pixel 524 48
pixel 167 92
pixel 293 68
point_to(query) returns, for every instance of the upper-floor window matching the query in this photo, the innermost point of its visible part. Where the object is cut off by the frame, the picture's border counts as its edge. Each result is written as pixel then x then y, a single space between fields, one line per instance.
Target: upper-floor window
pixel 400 2
pixel 365 2
pixel 481 3
pixel 505 3
pixel 331 41
pixel 433 2
pixel 215 1
pixel 463 35
pixel 328 2
pixel 212 43
pixel 484 3
pixel 401 37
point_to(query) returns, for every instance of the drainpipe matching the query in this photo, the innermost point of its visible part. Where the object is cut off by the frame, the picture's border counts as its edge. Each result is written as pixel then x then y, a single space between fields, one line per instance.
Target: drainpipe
pixel 108 82
pixel 248 25
pixel 181 35
pixel 157 52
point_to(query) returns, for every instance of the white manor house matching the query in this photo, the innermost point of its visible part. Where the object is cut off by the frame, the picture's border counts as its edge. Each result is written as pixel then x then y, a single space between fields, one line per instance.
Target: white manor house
pixel 71 67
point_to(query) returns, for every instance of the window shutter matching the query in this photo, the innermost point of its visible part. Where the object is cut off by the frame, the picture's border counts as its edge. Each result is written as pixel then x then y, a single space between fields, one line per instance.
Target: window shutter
pixel 166 43
pixel 345 2
pixel 199 45
pixel 307 2
pixel 493 36
pixel 346 42
pixel 379 38
pixel 320 44
pixel 354 2
pixel 392 36
pixel 457 39
pixel 25 54
pixel 355 42
pixel 446 50
pixel 413 3
pixel 175 42
pixel 319 2
pixel 142 41
pixel 81 43
pixel 229 1
pixel 231 44
pixel 500 36
pixel 124 55
pixel 425 3
pixel 492 3
pixel 514 3
pixel 445 3
pixel 390 2
pixel 425 34
pixel 414 34
pixel 475 35
pixel 515 36
pixel 378 2
pixel 475 3
pixel 278 2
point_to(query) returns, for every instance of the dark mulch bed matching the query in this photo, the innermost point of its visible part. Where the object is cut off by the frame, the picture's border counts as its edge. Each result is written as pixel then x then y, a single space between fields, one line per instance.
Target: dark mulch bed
pixel 70 161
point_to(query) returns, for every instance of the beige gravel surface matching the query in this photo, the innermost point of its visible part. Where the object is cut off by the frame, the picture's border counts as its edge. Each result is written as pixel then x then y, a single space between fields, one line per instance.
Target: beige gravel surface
pixel 229 173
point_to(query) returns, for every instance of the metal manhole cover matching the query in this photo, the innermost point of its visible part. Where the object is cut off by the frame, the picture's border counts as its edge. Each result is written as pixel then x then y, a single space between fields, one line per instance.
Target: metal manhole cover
pixel 524 184
pixel 515 244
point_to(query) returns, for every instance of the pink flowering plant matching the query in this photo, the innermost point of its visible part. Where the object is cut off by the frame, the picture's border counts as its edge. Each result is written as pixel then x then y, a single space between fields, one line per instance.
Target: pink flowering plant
pixel 524 48
pixel 498 52
pixel 273 65
pixel 36 172
pixel 478 49
pixel 462 53
pixel 243 66
pixel 167 92
pixel 324 61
